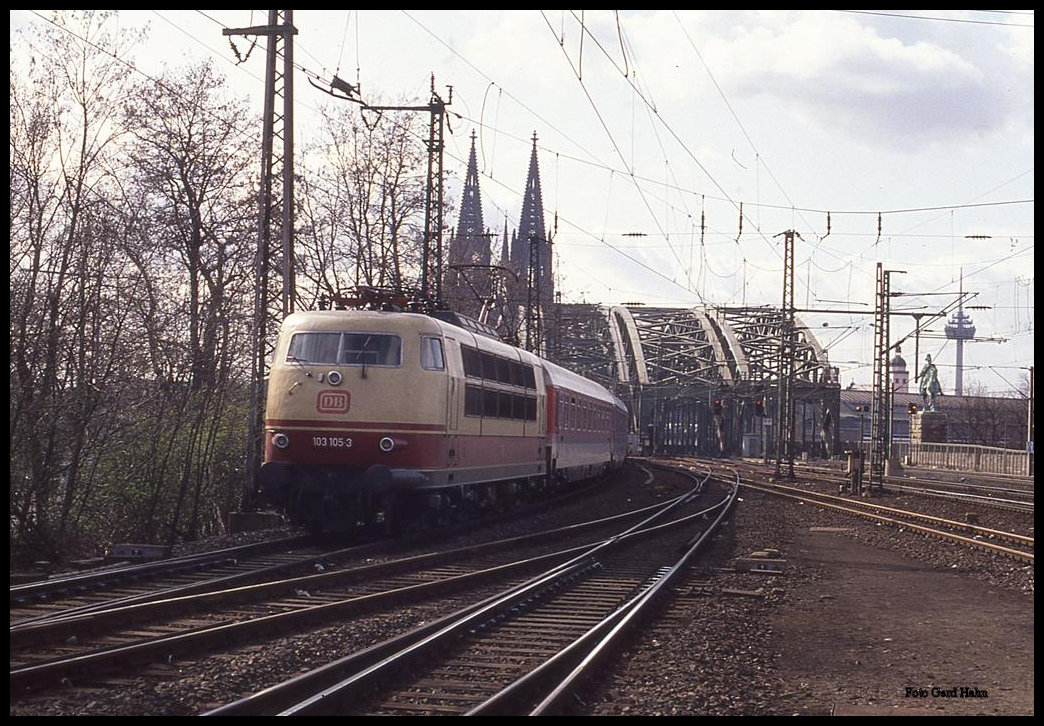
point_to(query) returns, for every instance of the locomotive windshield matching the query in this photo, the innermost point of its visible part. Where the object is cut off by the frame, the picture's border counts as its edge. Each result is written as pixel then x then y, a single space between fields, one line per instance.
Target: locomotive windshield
pixel 369 349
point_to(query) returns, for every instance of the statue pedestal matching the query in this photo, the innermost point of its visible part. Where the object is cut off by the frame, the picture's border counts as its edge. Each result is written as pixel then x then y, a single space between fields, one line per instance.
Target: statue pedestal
pixel 928 427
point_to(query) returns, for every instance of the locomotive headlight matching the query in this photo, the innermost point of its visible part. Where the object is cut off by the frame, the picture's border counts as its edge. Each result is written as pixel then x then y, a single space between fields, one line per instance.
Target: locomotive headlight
pixel 388 444
pixel 281 441
pixel 334 378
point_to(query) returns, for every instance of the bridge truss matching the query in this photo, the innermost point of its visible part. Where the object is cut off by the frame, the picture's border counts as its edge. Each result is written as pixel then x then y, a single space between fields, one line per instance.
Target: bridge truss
pixel 702 380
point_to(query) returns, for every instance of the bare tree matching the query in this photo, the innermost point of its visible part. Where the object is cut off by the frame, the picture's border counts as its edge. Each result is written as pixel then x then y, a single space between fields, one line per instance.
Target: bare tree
pixel 67 326
pixel 363 203
pixel 129 269
pixel 192 160
pixel 988 420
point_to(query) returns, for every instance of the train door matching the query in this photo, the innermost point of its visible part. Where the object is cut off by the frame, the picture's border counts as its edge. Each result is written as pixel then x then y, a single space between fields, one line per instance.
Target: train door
pixel 549 421
pixel 454 398
pixel 453 391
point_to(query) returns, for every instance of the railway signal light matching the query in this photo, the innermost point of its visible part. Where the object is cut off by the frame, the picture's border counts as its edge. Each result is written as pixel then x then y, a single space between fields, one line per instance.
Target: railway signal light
pixel 759 406
pixel 911 409
pixel 717 406
pixel 862 409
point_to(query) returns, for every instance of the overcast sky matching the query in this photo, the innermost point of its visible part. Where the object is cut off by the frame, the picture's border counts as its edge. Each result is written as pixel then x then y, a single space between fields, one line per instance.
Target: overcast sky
pixel 878 136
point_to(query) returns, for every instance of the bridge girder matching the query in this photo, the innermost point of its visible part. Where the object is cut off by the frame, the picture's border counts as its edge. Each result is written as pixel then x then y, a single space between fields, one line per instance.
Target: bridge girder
pixel 681 347
pixel 668 363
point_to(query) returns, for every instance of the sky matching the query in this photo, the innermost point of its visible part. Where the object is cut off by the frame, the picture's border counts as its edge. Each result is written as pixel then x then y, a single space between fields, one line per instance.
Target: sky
pixel 675 148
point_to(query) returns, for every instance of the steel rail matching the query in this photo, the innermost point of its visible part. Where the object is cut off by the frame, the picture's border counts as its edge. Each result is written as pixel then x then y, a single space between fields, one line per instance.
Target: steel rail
pixel 582 657
pixel 80 582
pixel 163 603
pixel 1014 505
pixel 191 641
pixel 967 527
pixel 920 480
pixel 1007 551
pixel 359 671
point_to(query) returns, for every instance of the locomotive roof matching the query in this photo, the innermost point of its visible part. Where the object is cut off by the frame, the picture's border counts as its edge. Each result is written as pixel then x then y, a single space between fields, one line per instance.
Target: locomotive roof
pixel 371 319
pixel 564 377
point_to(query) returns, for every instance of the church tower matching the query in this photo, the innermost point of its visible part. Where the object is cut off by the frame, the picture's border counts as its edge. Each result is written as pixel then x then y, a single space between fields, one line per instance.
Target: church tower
pixel 531 256
pixel 531 249
pixel 467 287
pixel 531 233
pixel 900 375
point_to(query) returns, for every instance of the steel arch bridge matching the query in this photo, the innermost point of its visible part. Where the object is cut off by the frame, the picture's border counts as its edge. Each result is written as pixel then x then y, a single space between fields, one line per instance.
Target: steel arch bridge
pixel 701 380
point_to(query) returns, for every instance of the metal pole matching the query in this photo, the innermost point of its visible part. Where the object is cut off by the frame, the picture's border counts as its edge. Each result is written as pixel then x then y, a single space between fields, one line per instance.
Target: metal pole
pixel 917 346
pixel 431 254
pixel 289 276
pixel 785 434
pixel 1029 427
pixel 273 264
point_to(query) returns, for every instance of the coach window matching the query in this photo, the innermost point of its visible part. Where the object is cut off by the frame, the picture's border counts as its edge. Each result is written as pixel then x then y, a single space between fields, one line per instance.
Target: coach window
pixel 503 370
pixel 472 361
pixel 489 366
pixel 529 377
pixel 472 401
pixel 431 354
pixel 503 404
pixel 518 407
pixel 490 402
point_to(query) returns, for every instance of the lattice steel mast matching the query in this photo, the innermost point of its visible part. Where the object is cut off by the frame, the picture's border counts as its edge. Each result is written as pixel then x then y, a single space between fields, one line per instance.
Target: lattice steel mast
pixel 274 285
pixel 785 407
pixel 881 405
pixel 431 255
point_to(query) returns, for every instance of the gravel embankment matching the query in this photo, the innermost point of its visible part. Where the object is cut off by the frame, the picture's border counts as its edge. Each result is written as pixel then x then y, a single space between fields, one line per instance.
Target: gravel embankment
pixel 714 651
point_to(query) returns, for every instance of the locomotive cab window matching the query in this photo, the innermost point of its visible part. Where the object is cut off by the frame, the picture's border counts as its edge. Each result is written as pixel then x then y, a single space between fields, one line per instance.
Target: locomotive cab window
pixel 431 354
pixel 355 349
pixel 314 347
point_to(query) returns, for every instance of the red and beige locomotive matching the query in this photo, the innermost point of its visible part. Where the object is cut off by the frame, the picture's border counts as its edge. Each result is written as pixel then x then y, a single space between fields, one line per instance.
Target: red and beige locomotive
pixel 374 417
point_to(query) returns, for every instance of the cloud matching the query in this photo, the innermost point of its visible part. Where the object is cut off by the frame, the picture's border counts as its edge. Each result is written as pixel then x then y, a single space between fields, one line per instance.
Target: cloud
pixel 837 72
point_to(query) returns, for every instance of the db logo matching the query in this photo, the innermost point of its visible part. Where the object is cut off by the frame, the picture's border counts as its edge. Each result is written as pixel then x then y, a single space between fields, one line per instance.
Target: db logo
pixel 333 402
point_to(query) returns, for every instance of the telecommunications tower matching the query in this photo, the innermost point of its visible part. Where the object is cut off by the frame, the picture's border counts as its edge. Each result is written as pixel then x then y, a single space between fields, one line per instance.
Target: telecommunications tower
pixel 960 328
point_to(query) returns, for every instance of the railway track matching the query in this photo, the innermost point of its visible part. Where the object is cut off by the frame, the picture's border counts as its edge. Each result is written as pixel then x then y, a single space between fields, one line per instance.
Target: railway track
pixel 81 593
pixel 1009 544
pixel 125 585
pixel 1013 515
pixel 1020 547
pixel 1015 500
pixel 107 640
pixel 519 651
pixel 1015 493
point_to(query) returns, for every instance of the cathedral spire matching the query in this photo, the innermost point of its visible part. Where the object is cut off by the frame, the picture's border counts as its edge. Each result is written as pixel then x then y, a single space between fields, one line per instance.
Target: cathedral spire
pixel 531 233
pixel 531 224
pixel 470 243
pixel 466 287
pixel 505 247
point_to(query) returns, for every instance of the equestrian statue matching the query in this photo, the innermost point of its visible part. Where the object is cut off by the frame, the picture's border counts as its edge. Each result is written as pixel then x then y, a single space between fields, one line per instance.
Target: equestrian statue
pixel 929 384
